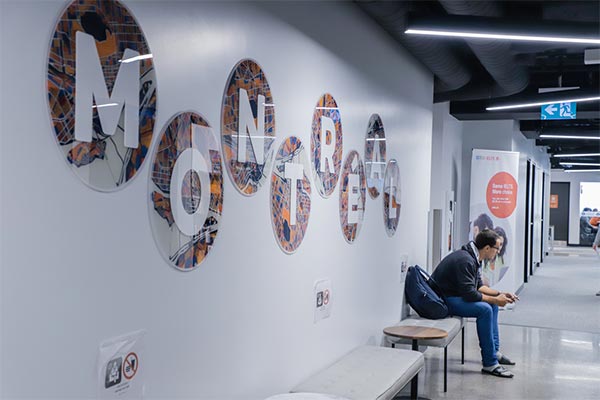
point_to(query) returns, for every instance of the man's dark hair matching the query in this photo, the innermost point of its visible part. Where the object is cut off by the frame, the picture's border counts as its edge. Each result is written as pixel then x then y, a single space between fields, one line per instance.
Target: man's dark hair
pixel 483 222
pixel 486 237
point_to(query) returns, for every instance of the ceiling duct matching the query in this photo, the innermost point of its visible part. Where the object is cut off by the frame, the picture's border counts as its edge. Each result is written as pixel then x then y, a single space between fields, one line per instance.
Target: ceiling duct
pixel 495 56
pixel 450 72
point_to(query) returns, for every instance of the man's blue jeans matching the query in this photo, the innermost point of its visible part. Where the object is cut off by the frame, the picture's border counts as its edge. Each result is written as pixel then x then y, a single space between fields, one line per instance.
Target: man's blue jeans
pixel 487 325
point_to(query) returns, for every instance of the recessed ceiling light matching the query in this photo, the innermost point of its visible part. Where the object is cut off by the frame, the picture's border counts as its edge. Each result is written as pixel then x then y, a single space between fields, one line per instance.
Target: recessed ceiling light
pixel 570 137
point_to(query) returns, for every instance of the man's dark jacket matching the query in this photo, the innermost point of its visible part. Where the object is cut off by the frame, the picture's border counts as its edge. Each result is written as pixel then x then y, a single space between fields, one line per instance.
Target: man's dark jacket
pixel 458 275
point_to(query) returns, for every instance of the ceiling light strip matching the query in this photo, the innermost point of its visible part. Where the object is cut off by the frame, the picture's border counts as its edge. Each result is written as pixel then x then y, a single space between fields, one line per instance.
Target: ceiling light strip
pixel 542 103
pixel 569 137
pixel 580 163
pixel 582 170
pixel 577 155
pixel 479 35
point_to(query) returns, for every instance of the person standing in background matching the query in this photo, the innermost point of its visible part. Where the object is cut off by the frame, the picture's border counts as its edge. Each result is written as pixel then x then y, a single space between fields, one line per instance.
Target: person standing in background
pixel 595 247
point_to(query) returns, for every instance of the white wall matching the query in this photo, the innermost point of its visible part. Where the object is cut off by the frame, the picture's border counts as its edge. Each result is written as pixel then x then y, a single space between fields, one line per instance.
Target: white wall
pixel 446 170
pixel 78 266
pixel 575 179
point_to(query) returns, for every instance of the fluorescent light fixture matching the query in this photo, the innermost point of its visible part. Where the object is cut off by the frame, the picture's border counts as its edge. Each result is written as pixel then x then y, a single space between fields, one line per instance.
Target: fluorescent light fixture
pixel 326 108
pixel 136 58
pixel 376 139
pixel 577 155
pixel 105 105
pixel 541 103
pixel 569 137
pixel 501 36
pixel 582 170
pixel 591 164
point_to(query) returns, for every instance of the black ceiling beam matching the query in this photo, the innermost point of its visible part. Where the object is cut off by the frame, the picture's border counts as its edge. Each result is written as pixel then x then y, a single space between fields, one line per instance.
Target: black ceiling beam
pixel 531 129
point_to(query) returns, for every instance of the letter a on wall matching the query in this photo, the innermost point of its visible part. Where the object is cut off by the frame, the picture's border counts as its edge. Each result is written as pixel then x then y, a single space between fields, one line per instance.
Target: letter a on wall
pixel 186 191
pixel 248 127
pixel 375 155
pixel 101 92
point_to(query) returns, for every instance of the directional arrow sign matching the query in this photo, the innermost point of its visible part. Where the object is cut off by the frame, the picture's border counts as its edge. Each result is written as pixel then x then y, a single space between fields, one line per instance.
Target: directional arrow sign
pixel 550 109
pixel 559 111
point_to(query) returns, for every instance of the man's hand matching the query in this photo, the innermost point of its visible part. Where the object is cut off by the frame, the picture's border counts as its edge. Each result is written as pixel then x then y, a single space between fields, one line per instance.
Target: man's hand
pixel 594 247
pixel 511 297
pixel 502 300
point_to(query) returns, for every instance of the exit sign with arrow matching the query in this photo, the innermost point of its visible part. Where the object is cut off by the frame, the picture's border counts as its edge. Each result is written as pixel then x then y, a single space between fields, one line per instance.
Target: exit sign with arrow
pixel 559 111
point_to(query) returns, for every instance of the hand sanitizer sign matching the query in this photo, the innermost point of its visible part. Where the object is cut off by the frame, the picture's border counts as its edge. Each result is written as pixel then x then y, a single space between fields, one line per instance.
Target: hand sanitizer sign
pixel 322 299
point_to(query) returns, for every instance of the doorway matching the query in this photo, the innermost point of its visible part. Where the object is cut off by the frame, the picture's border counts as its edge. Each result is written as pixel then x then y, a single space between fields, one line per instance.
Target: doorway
pixel 559 209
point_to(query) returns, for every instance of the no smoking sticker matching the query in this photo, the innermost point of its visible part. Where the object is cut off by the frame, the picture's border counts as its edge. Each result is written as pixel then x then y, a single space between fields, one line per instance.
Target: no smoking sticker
pixel 119 373
pixel 130 366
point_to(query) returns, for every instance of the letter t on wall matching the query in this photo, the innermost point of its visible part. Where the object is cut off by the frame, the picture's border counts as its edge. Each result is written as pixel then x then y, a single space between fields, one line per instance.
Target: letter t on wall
pixel 293 173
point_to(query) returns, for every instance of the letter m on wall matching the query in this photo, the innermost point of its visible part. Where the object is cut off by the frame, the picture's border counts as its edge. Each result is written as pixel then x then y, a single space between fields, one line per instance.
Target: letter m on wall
pixel 90 88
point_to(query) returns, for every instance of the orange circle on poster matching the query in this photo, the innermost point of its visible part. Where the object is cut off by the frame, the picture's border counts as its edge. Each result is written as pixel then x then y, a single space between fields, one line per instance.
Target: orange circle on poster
pixel 501 194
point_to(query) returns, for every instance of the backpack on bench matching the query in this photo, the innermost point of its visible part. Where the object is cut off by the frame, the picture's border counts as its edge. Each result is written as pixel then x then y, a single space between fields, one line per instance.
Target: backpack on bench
pixel 423 294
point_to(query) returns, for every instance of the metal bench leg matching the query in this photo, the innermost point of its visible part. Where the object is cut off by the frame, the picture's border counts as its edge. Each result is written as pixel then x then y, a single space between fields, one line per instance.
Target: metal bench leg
pixel 445 369
pixel 463 346
pixel 414 387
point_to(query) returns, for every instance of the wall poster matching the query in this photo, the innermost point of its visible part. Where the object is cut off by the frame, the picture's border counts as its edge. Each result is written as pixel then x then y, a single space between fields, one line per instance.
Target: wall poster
pixel 290 194
pixel 326 145
pixel 493 202
pixel 186 191
pixel 101 92
pixel 248 127
pixel 375 157
pixel 353 195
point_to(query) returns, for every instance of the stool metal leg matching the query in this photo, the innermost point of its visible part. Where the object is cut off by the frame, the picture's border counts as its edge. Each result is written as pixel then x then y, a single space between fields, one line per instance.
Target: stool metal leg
pixel 462 361
pixel 445 369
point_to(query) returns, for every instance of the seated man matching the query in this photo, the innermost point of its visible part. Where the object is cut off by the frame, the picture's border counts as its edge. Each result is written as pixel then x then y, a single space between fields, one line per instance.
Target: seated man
pixel 459 278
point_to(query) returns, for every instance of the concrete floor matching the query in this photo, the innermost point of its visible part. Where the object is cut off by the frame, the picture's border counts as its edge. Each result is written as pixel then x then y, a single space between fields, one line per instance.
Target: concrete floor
pixel 551 364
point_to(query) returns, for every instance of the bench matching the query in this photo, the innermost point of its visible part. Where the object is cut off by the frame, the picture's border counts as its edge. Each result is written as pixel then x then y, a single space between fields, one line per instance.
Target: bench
pixel 452 325
pixel 367 373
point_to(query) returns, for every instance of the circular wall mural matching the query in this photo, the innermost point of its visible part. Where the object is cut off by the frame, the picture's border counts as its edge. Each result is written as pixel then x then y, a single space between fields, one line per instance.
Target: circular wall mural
pixel 186 191
pixel 248 127
pixel 375 156
pixel 391 197
pixel 101 92
pixel 290 194
pixel 353 195
pixel 326 145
